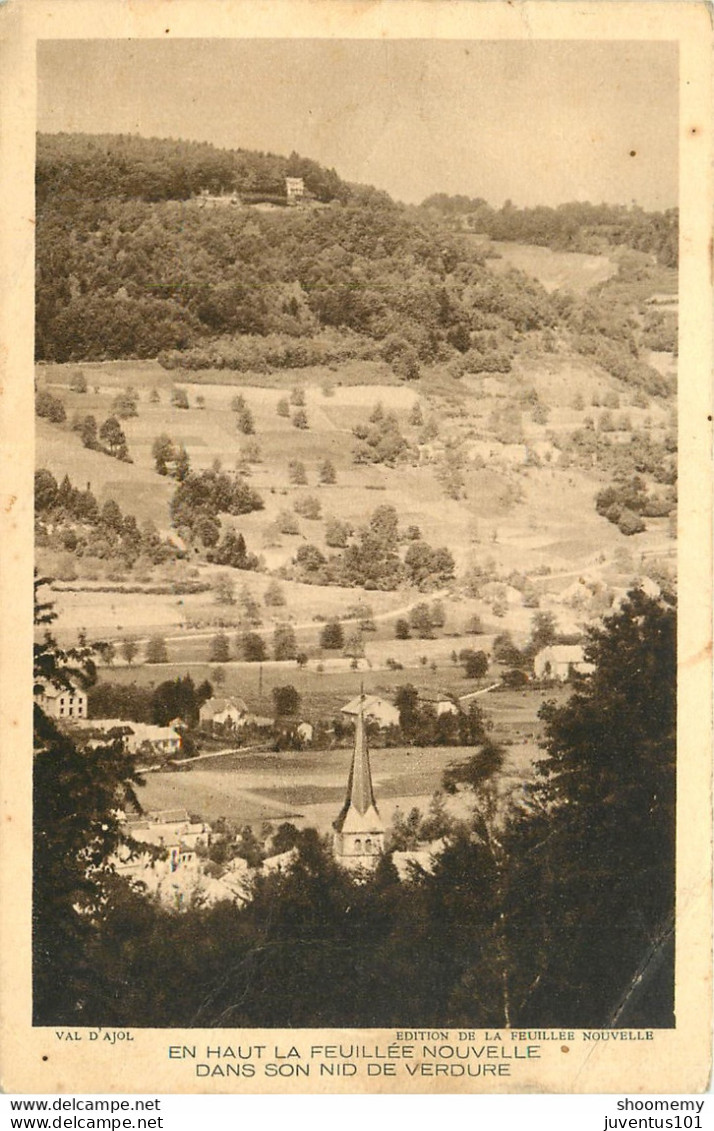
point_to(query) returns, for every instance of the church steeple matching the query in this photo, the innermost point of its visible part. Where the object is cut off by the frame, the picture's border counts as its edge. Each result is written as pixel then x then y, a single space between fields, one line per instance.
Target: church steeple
pixel 359 831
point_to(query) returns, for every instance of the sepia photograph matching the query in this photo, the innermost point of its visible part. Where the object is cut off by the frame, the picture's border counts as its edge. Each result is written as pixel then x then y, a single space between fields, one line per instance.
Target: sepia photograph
pixel 356 544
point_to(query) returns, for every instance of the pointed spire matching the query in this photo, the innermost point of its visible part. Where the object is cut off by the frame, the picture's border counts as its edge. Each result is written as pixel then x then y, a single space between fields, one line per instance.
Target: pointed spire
pixel 360 792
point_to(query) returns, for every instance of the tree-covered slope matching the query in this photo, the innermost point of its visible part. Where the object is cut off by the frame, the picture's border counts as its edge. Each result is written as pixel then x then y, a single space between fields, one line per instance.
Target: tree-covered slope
pixel 121 275
pixel 129 265
pixel 574 226
pixel 128 167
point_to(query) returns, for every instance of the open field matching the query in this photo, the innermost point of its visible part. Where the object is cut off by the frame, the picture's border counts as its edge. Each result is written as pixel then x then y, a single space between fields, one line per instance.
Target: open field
pixel 555 270
pixel 308 787
pixel 323 694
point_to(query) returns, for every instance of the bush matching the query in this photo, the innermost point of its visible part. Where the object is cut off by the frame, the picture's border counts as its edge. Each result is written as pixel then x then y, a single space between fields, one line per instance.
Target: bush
pixel 420 620
pixel 630 523
pixel 287 523
pixel 179 398
pixel 220 651
pixel 337 533
pixel 307 506
pixel 50 408
pixel 245 421
pixel 515 677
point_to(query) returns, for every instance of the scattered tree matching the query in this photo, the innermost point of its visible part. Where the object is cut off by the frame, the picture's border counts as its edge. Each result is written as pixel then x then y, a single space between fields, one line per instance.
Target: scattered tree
pixel 274 594
pixel 220 651
pixel 179 398
pixel 286 700
pixel 284 642
pixel 224 589
pixel 332 635
pixel 252 647
pixel 326 472
pixel 156 651
pixel 297 473
pixel 129 649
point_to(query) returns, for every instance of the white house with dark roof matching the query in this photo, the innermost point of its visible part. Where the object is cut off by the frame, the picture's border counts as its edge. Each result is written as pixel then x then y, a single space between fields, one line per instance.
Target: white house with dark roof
pixel 439 701
pixel 221 712
pixel 374 709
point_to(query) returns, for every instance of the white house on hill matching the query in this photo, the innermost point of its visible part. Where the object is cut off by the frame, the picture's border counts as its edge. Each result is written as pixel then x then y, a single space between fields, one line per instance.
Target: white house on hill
pixel 294 189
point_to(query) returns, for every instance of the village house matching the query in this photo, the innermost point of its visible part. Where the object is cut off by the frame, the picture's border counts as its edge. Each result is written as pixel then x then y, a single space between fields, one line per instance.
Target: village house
pixel 134 736
pixel 223 712
pixel 305 732
pixel 424 858
pixel 178 876
pixel 439 701
pixel 374 709
pixel 170 829
pixel 560 661
pixel 63 703
pixel 163 740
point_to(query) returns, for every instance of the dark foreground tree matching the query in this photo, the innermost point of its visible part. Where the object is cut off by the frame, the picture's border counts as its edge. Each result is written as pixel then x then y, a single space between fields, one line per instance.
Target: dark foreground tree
pixel 599 862
pixel 77 796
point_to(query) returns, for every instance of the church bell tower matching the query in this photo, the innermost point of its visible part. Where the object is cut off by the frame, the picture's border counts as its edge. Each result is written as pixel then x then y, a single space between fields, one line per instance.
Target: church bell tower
pixel 359 831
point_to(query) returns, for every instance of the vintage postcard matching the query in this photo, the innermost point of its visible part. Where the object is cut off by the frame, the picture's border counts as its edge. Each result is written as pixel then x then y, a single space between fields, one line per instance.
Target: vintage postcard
pixel 356 431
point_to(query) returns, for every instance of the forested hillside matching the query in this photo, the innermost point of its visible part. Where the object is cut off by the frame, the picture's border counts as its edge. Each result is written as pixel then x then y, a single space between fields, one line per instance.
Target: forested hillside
pixel 575 226
pixel 129 267
pixel 127 167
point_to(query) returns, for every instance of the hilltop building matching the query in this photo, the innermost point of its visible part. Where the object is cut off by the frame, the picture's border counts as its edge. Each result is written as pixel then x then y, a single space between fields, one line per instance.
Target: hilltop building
pixel 294 189
pixel 206 199
pixel 359 830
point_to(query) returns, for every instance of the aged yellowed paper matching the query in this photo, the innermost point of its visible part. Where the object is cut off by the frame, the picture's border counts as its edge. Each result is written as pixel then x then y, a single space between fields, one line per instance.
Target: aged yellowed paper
pixel 356 418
